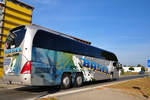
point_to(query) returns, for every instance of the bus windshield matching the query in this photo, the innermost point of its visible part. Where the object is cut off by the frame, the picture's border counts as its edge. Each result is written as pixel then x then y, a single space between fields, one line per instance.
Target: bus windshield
pixel 15 38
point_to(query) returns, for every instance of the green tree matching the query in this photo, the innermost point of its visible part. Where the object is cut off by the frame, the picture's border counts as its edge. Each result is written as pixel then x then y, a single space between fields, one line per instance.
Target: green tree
pixel 139 65
pixel 143 68
pixel 131 68
pixel 124 66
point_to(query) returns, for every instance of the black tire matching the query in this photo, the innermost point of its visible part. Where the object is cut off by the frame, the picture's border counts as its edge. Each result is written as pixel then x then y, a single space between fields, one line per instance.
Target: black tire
pixel 112 77
pixel 66 81
pixel 78 80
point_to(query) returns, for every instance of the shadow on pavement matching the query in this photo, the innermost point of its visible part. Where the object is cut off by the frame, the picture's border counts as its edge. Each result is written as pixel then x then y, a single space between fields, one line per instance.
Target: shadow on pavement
pixel 37 89
pixel 96 82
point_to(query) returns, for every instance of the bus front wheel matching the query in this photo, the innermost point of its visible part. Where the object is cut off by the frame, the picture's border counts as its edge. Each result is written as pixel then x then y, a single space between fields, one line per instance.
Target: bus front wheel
pixel 66 81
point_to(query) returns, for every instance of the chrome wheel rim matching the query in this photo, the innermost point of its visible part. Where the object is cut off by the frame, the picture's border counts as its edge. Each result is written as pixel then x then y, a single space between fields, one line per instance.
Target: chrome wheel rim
pixel 66 81
pixel 79 80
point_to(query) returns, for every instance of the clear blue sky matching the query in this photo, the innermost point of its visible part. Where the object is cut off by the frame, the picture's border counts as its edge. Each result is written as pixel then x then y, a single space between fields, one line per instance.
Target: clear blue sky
pixel 119 26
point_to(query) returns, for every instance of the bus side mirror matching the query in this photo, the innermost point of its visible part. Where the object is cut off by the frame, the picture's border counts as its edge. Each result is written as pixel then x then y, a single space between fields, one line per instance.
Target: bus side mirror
pixel 116 64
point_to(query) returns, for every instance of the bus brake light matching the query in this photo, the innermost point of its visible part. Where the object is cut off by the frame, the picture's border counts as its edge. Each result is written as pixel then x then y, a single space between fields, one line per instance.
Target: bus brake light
pixel 26 68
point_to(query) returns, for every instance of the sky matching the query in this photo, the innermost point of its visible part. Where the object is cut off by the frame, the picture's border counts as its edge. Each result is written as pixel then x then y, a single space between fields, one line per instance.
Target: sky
pixel 119 26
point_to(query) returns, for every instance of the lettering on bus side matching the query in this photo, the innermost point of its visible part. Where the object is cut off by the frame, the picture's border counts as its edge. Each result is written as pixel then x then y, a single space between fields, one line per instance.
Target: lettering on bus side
pixel 7 62
pixel 13 51
pixel 93 66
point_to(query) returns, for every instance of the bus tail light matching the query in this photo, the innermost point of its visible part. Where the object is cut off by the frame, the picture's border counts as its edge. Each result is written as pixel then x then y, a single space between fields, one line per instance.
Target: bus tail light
pixel 26 68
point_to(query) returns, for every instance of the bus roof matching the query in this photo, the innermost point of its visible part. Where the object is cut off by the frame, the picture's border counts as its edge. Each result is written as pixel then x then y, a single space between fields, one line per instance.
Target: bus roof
pixel 56 32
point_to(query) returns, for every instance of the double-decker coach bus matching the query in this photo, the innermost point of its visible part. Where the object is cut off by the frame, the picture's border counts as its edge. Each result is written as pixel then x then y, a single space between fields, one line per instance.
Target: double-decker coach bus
pixel 42 57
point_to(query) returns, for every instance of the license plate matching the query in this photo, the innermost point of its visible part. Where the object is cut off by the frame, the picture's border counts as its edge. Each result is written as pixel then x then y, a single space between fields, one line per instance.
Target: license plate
pixel 11 73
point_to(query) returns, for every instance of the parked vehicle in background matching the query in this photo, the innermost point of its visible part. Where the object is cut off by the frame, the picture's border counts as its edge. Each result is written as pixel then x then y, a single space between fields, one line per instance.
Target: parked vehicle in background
pixel 41 57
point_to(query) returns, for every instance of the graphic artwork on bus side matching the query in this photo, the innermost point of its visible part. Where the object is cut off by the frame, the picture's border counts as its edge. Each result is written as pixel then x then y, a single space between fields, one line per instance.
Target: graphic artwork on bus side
pixel 13 62
pixel 50 63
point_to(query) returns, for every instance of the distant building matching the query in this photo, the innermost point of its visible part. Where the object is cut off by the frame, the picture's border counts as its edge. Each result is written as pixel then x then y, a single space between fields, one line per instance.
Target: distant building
pixel 136 69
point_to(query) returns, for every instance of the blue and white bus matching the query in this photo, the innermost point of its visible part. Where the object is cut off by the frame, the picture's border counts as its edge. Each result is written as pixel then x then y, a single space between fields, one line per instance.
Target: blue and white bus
pixel 42 57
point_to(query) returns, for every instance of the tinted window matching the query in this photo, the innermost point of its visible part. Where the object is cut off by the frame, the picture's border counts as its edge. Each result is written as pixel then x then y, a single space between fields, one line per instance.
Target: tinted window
pixel 52 41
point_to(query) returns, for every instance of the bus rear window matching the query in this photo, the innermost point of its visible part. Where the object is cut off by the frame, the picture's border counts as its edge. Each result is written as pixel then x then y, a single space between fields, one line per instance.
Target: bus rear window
pixel 15 38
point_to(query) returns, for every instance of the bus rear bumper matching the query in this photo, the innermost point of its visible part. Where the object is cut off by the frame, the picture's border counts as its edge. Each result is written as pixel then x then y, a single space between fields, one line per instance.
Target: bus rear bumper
pixel 18 80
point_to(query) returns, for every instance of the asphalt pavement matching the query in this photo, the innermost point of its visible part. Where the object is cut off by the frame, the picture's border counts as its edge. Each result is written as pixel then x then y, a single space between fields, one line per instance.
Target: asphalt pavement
pixel 101 94
pixel 30 93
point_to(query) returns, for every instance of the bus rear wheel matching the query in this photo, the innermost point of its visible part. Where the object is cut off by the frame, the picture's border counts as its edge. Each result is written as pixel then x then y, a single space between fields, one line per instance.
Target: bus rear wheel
pixel 66 81
pixel 78 80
